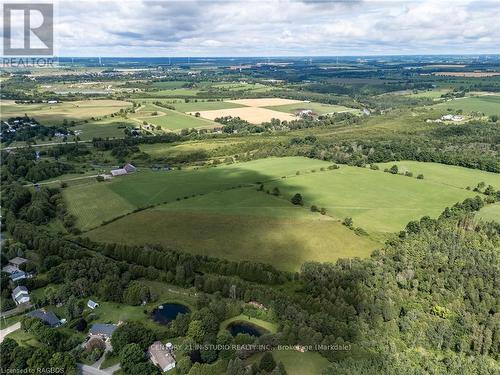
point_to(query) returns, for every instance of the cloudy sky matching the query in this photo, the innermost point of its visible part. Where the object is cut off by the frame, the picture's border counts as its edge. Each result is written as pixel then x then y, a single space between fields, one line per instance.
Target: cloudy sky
pixel 276 27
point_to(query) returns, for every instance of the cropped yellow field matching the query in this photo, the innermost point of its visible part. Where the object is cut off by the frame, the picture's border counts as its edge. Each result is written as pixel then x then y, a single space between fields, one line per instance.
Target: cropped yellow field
pixel 254 115
pixel 264 102
pixel 56 113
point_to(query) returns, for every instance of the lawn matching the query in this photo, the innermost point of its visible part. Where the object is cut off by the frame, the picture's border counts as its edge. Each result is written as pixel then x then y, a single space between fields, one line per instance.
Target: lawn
pixel 488 104
pixel 112 312
pixel 297 363
pixel 317 108
pixel 271 327
pixel 55 113
pixel 240 224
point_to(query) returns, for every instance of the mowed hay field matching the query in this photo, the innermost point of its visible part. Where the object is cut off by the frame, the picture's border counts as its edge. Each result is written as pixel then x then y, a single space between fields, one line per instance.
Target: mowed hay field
pixel 449 175
pixel 379 202
pixel 490 213
pixel 168 119
pixel 255 111
pixel 254 115
pixel 57 113
pixel 317 108
pixel 147 187
pixel 488 104
pixel 240 224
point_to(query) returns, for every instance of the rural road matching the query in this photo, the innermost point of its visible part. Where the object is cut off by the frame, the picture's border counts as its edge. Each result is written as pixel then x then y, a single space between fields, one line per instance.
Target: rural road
pixel 89 370
pixel 59 181
pixel 45 144
pixel 4 332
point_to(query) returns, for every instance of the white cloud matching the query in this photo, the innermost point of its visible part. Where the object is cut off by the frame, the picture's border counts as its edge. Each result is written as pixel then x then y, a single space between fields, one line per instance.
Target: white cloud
pixel 276 27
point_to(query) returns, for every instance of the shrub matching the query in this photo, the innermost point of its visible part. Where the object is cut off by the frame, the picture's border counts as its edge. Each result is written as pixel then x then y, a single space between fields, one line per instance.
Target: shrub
pixel 297 200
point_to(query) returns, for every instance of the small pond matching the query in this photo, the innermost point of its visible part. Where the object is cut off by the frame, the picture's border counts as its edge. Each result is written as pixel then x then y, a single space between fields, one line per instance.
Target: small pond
pixel 167 312
pixel 244 327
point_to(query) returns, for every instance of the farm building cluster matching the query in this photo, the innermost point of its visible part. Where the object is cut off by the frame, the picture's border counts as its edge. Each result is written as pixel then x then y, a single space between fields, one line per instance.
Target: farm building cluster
pixel 127 169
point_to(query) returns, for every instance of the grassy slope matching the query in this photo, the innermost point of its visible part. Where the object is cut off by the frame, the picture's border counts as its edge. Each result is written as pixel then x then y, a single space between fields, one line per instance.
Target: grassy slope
pixel 448 175
pixel 488 104
pixel 377 201
pixel 318 108
pixel 56 113
pixel 297 363
pixel 171 120
pixel 106 128
pixel 94 202
pixel 204 106
pixel 271 327
pixel 240 224
pixel 490 213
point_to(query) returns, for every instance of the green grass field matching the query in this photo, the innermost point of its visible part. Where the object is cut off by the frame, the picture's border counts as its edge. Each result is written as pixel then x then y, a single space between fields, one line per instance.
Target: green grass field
pixel 377 201
pixel 240 224
pixel 490 213
pixel 488 104
pixel 204 106
pixel 105 128
pixel 93 202
pixel 56 113
pixel 447 175
pixel 297 363
pixel 172 150
pixel 318 108
pixel 218 211
pixel 170 120
pixel 271 327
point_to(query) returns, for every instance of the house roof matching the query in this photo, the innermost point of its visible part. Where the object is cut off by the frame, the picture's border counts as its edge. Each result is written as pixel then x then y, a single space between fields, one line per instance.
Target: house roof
pixel 129 168
pixel 92 304
pixel 17 275
pixel 161 355
pixel 47 316
pixel 17 261
pixel 9 268
pixel 19 289
pixel 102 329
pixel 118 172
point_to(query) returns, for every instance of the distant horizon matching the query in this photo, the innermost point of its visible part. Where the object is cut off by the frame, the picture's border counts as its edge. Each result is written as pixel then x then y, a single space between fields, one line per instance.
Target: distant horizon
pixel 280 56
pixel 282 28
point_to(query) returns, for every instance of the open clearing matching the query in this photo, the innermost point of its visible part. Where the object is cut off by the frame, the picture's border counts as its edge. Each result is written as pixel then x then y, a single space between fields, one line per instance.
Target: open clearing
pixel 254 115
pixel 450 175
pixel 490 213
pixel 240 224
pixel 57 113
pixel 218 211
pixel 488 104
pixel 468 74
pixel 94 202
pixel 264 102
pixel 378 202
pixel 317 108
pixel 168 119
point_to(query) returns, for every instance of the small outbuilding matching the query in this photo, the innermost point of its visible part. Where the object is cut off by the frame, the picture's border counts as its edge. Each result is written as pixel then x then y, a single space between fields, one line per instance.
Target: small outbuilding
pixel 91 304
